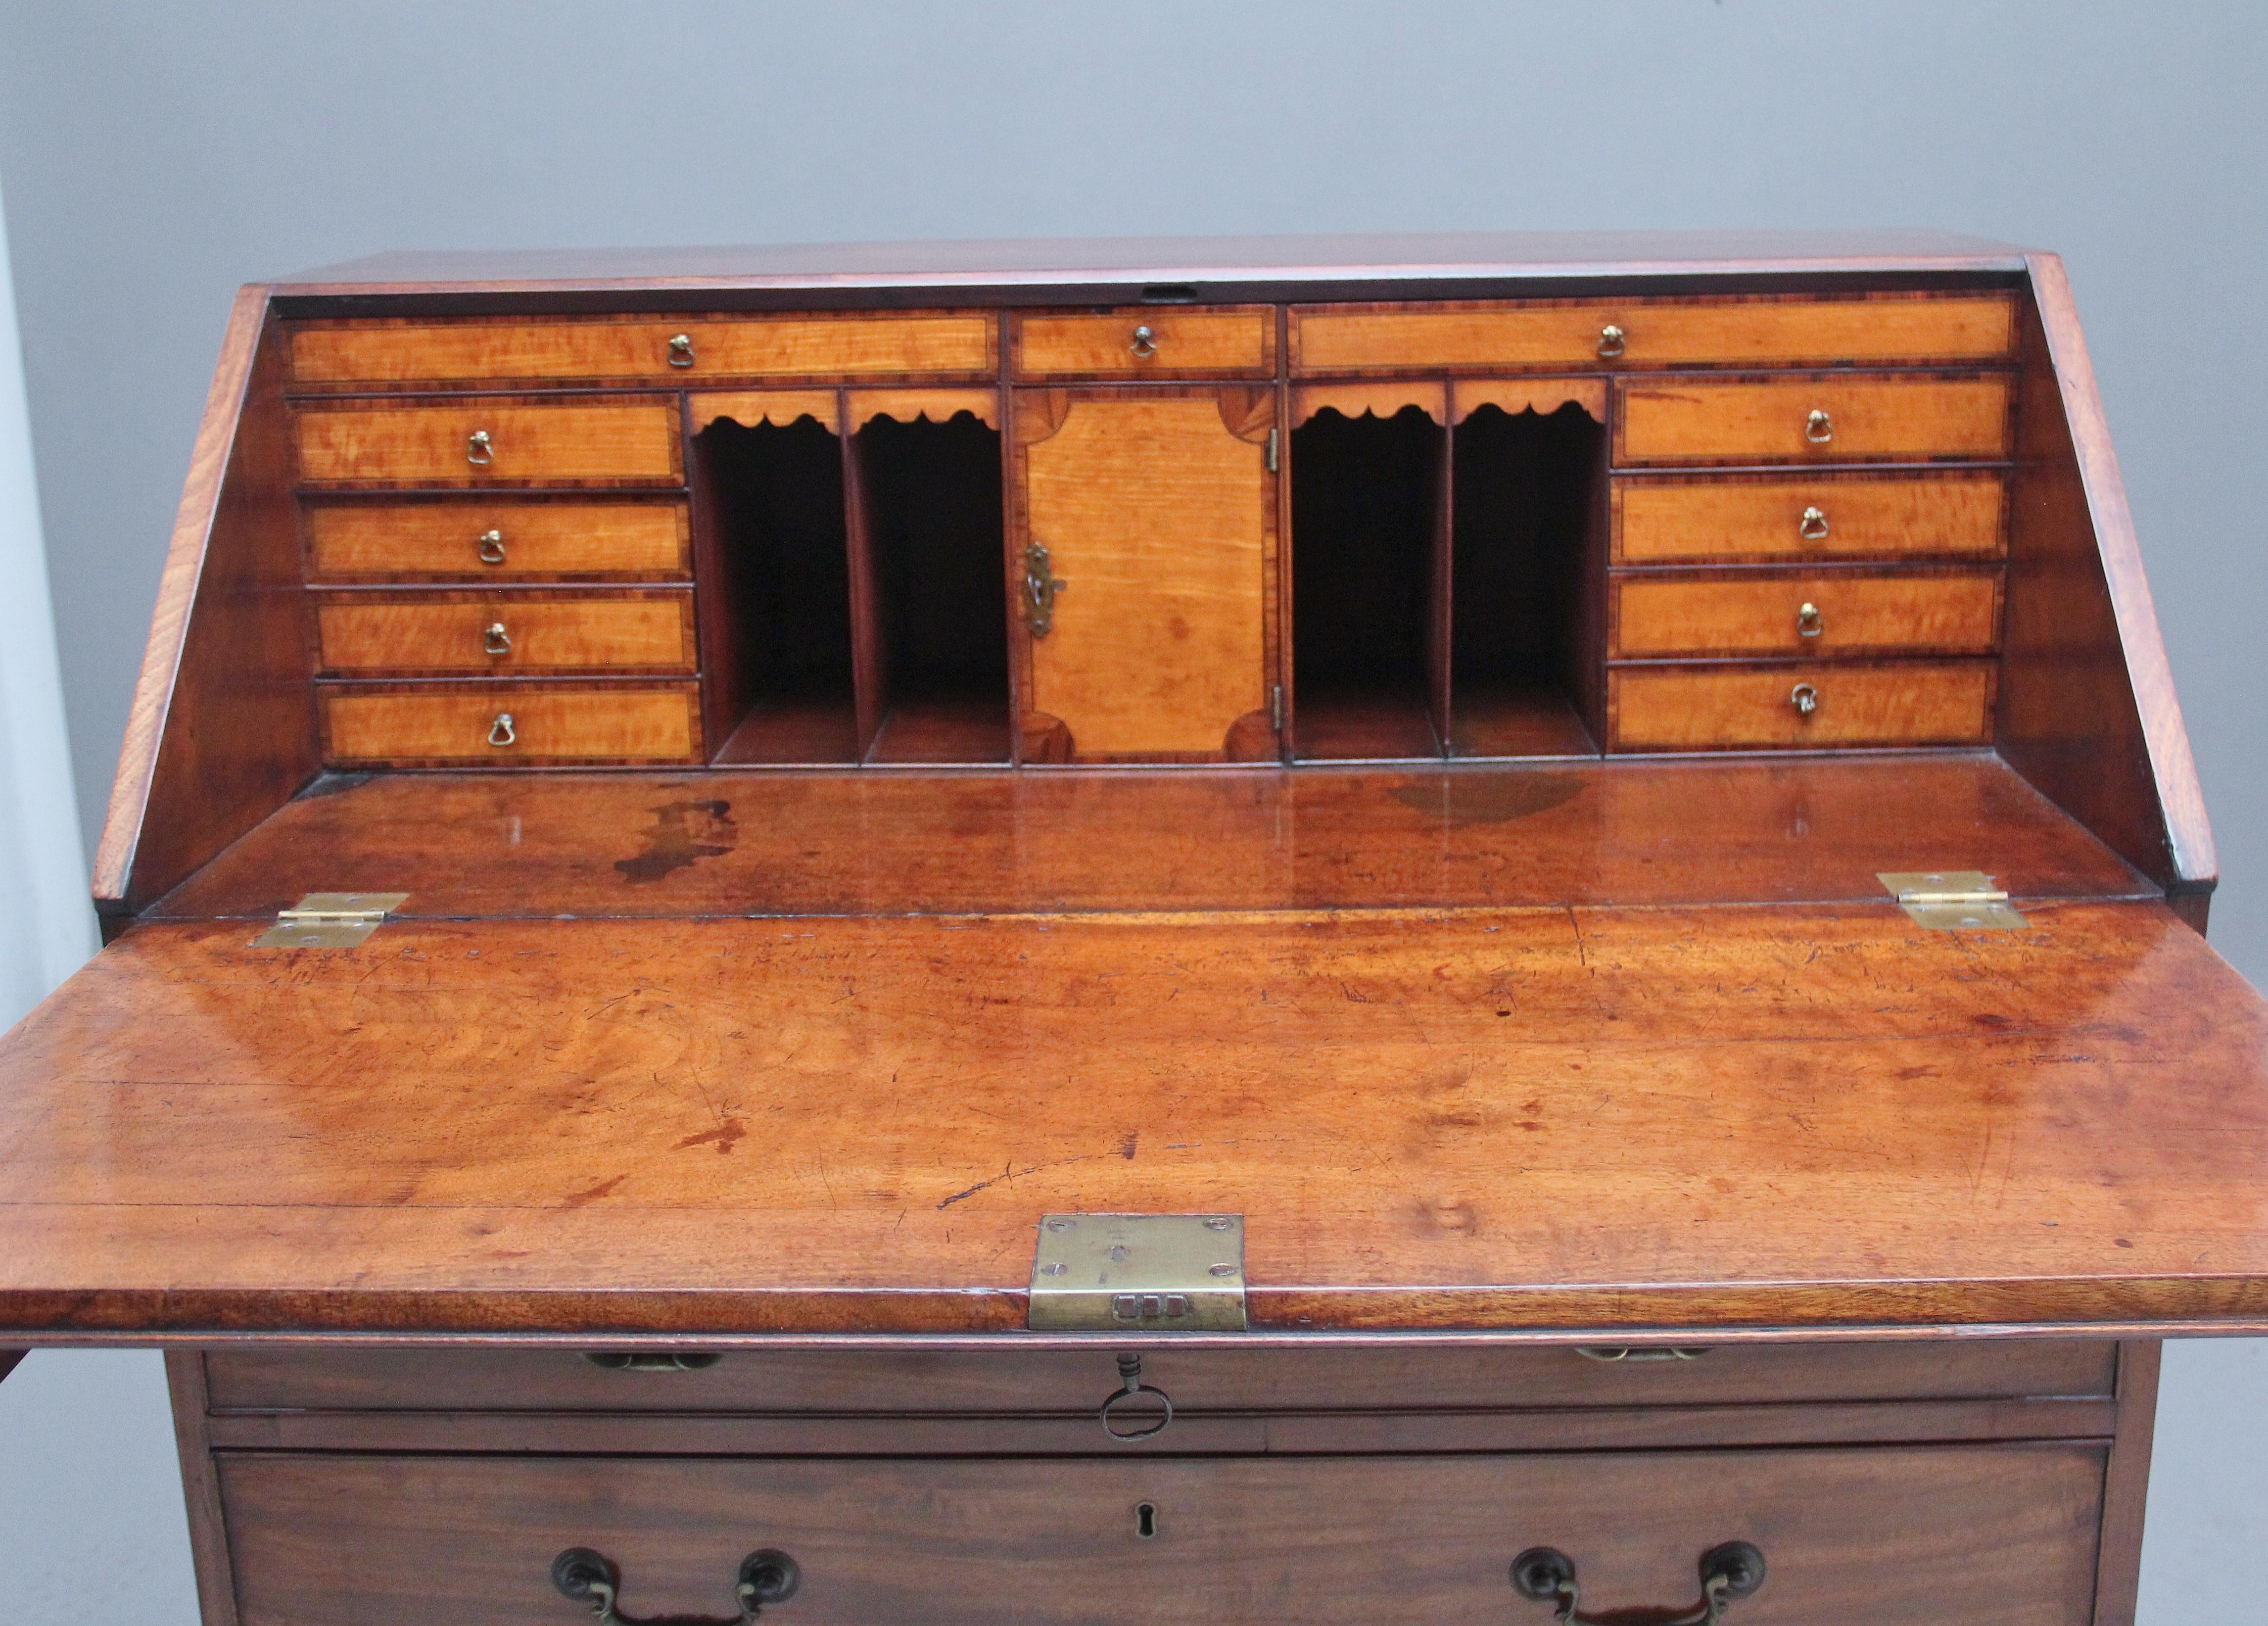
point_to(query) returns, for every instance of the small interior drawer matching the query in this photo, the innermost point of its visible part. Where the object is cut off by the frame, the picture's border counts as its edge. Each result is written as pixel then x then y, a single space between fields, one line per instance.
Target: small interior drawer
pixel 492 442
pixel 1146 341
pixel 1828 418
pixel 1074 1382
pixel 369 634
pixel 1703 706
pixel 1808 615
pixel 647 348
pixel 1680 518
pixel 1636 332
pixel 1887 1535
pixel 503 724
pixel 361 540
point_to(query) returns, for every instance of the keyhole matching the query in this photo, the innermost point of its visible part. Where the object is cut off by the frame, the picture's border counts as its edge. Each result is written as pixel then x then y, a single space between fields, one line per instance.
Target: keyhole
pixel 1146 1520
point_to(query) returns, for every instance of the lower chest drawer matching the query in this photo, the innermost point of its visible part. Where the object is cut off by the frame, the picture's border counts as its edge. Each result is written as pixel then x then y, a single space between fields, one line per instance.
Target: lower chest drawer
pixel 1798 705
pixel 505 632
pixel 500 724
pixel 1951 1536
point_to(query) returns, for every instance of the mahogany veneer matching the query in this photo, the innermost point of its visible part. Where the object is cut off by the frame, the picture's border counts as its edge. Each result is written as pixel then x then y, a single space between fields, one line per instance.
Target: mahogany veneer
pixel 898 707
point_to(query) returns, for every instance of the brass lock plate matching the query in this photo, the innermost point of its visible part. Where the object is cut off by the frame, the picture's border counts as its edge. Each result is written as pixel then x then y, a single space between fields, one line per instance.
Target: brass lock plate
pixel 1952 899
pixel 1138 1273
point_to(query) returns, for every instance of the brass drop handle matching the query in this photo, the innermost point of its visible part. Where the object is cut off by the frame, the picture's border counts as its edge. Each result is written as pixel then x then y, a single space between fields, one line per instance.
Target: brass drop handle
pixel 1812 526
pixel 1818 428
pixel 1808 622
pixel 643 1360
pixel 1730 1570
pixel 500 730
pixel 680 350
pixel 1611 340
pixel 1804 698
pixel 480 451
pixel 1041 587
pixel 492 548
pixel 586 1576
pixel 1123 1413
pixel 1146 343
pixel 496 640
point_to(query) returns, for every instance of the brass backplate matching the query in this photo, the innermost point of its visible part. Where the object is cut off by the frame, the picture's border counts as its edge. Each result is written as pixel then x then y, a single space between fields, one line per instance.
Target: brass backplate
pixel 1952 899
pixel 330 920
pixel 1138 1273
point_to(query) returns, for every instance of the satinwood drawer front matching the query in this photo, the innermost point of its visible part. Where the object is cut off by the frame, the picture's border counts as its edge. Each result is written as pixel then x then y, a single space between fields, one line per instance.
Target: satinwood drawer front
pixel 1887 1536
pixel 787 347
pixel 1064 1382
pixel 1636 332
pixel 1699 708
pixel 1833 418
pixel 378 541
pixel 1819 615
pixel 474 724
pixel 459 632
pixel 1148 342
pixel 488 442
pixel 1661 520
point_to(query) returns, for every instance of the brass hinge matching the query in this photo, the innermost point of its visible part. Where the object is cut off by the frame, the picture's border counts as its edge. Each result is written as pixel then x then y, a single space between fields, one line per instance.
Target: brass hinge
pixel 1952 899
pixel 1138 1273
pixel 1275 706
pixel 330 920
pixel 1272 457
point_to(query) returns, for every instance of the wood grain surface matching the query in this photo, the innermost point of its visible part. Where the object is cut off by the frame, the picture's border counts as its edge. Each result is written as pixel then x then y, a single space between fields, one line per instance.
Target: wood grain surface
pixel 1785 1117
pixel 1862 611
pixel 1185 344
pixel 814 345
pixel 1661 520
pixel 1157 510
pixel 373 446
pixel 391 634
pixel 1693 420
pixel 1814 829
pixel 220 733
pixel 1705 707
pixel 1718 332
pixel 587 538
pixel 1893 1537
pixel 462 721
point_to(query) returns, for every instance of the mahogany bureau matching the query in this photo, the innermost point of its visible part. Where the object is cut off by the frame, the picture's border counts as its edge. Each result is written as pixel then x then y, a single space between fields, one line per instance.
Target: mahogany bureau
pixel 1490 929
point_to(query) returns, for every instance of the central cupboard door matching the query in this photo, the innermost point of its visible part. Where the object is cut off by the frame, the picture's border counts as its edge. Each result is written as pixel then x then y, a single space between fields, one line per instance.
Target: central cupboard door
pixel 1146 536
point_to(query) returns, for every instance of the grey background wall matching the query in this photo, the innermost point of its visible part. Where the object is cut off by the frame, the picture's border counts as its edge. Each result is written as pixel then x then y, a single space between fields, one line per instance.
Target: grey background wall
pixel 154 156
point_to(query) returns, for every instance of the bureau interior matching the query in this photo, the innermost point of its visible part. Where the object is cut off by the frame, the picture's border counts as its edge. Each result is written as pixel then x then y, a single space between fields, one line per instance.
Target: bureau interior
pixel 1396 531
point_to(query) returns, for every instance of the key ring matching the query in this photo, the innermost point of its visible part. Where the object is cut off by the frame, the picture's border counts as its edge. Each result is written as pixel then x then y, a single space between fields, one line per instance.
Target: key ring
pixel 1130 1373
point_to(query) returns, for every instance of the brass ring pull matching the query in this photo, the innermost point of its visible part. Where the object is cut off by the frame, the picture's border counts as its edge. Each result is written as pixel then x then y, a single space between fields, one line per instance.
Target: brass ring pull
pixel 1730 1570
pixel 1804 698
pixel 480 452
pixel 496 640
pixel 492 548
pixel 1812 526
pixel 1130 1374
pixel 500 730
pixel 1611 340
pixel 680 350
pixel 1618 1354
pixel 641 1360
pixel 1818 428
pixel 1807 622
pixel 766 1576
pixel 1146 343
